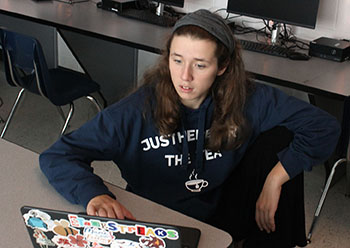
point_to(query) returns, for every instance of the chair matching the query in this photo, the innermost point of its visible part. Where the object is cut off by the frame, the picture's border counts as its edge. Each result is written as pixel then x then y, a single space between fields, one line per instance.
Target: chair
pixel 26 68
pixel 323 197
pixel 343 156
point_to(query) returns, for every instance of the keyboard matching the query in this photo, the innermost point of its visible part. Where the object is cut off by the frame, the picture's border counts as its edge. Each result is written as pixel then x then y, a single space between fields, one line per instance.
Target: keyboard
pixel 146 15
pixel 265 48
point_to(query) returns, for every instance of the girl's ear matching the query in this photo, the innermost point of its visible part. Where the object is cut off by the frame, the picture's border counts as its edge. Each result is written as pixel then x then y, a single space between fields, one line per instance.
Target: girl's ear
pixel 221 71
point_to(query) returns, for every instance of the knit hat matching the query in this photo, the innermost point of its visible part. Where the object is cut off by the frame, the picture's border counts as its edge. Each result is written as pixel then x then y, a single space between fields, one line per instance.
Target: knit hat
pixel 212 23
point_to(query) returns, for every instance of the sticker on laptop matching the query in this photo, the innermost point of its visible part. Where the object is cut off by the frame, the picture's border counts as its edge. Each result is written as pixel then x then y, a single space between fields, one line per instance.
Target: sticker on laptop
pixel 77 231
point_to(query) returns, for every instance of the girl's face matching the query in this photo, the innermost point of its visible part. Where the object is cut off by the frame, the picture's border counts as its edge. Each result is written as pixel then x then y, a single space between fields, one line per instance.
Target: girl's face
pixel 193 68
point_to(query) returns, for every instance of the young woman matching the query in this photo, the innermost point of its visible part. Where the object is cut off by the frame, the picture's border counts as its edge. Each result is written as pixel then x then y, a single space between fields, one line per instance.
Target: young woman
pixel 201 138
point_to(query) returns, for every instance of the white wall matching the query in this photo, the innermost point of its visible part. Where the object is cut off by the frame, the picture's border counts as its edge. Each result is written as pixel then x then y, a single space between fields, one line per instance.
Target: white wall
pixel 333 17
pixel 333 21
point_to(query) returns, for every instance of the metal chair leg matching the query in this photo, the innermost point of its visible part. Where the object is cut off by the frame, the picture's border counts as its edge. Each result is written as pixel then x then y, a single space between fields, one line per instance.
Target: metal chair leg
pixel 94 101
pixel 71 111
pixel 69 116
pixel 323 197
pixel 11 113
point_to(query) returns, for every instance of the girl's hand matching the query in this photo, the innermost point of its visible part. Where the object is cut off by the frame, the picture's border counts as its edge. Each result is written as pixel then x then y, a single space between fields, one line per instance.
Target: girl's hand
pixel 106 206
pixel 267 202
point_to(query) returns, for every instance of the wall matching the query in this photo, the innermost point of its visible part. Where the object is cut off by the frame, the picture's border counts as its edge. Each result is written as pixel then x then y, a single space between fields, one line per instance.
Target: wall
pixel 332 21
pixel 45 34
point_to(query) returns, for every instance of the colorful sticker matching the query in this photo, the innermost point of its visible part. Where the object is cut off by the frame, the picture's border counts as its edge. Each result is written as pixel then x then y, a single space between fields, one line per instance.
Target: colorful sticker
pixel 96 245
pixel 61 242
pixel 42 239
pixel 98 235
pixel 79 232
pixel 152 242
pixel 63 228
pixel 77 240
pixel 115 227
pixel 124 243
pixel 144 242
pixel 37 219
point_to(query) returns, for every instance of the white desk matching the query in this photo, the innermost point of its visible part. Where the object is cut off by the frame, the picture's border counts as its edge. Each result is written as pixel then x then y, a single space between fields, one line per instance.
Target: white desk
pixel 22 183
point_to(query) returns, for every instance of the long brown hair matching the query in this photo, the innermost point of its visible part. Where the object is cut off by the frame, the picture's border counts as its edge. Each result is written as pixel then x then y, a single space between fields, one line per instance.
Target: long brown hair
pixel 229 92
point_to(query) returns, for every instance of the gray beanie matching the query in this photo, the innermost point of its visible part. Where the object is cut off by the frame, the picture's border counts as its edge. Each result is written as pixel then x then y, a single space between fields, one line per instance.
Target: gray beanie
pixel 212 23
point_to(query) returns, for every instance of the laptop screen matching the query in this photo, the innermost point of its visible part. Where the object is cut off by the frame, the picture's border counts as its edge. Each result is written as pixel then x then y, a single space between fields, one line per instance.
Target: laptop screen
pixel 53 228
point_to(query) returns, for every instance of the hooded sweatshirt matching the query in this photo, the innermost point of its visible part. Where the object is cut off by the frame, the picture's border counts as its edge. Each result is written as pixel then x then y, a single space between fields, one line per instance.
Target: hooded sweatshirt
pixel 177 171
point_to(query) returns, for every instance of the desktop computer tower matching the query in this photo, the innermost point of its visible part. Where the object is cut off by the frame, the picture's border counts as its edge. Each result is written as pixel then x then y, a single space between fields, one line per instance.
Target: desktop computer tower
pixel 332 49
pixel 117 6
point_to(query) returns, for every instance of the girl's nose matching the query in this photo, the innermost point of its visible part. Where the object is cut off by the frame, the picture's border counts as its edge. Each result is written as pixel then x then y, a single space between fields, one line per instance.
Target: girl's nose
pixel 186 74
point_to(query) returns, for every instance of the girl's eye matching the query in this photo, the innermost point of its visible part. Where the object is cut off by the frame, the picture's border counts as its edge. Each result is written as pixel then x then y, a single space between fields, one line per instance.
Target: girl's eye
pixel 177 61
pixel 200 66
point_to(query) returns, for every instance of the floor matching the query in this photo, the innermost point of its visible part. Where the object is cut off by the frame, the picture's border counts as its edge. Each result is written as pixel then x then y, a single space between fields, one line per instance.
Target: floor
pixel 36 125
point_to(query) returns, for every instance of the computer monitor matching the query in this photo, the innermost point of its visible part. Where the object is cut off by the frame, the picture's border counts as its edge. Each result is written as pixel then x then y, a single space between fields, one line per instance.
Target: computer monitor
pixel 295 12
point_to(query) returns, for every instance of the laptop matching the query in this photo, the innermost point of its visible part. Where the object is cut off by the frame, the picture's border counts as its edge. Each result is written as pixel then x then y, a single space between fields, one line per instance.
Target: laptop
pixel 53 228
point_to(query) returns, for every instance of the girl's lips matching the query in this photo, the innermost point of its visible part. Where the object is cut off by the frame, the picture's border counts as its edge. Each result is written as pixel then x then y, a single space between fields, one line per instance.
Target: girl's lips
pixel 185 89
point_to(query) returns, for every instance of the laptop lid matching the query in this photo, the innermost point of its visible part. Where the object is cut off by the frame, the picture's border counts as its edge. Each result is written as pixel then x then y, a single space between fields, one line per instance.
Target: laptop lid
pixel 53 228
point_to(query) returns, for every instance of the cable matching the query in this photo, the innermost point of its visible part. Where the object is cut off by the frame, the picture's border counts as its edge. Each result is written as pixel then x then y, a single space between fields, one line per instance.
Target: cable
pixel 286 37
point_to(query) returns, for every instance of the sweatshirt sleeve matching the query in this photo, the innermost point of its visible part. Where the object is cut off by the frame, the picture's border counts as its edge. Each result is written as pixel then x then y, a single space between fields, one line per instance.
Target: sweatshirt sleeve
pixel 315 131
pixel 67 163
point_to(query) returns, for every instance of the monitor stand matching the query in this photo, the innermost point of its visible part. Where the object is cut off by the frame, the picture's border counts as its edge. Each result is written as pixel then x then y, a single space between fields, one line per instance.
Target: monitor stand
pixel 276 29
pixel 275 32
pixel 160 9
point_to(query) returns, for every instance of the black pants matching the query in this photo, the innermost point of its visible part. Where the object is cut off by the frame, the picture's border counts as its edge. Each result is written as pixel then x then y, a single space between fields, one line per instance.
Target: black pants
pixel 236 212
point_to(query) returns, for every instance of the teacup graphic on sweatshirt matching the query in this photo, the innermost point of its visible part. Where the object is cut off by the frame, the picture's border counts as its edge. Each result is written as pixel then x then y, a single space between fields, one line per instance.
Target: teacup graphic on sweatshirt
pixel 195 185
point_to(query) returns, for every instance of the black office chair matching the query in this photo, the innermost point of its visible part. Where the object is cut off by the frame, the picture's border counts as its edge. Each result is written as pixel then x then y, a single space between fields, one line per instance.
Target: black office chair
pixel 26 67
pixel 323 197
pixel 342 154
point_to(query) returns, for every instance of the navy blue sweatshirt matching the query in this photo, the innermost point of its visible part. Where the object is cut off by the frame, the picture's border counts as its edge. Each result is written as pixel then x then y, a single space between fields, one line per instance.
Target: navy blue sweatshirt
pixel 157 167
